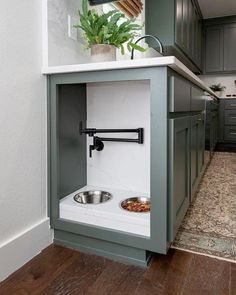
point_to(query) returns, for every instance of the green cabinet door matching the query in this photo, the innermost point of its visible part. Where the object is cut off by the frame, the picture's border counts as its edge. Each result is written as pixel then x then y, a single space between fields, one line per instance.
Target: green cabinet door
pixel 179 23
pixel 198 56
pixel 179 172
pixel 230 47
pixel 185 38
pixel 214 129
pixel 194 35
pixel 201 144
pixel 194 154
pixel 214 48
pixel 197 151
pixel 190 29
pixel 185 12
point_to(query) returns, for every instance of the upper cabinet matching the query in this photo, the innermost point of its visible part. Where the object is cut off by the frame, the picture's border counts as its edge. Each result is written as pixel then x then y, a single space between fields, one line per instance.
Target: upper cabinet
pixel 230 47
pixel 220 45
pixel 178 24
pixel 188 30
pixel 214 49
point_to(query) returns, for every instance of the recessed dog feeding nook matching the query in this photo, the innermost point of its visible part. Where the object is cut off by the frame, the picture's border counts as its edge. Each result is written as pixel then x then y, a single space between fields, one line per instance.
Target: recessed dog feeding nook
pixel 119 154
pixel 111 126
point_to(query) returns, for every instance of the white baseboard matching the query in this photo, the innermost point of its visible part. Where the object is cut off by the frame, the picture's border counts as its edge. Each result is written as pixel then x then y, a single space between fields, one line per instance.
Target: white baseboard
pixel 23 247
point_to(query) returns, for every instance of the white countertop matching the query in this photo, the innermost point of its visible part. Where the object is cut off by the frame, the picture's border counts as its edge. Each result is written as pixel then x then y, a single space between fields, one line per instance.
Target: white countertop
pixel 170 61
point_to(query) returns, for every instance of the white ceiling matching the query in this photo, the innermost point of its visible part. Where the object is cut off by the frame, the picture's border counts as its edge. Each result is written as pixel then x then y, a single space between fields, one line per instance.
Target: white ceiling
pixel 217 8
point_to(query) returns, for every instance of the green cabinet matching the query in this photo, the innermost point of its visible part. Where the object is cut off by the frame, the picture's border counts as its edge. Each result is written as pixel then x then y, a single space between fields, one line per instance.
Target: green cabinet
pixel 178 24
pixel 187 107
pixel 220 45
pixel 228 121
pixel 179 171
pixel 188 30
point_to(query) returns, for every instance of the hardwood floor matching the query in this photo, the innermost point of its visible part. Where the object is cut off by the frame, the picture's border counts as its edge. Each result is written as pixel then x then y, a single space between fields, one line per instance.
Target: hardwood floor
pixel 61 271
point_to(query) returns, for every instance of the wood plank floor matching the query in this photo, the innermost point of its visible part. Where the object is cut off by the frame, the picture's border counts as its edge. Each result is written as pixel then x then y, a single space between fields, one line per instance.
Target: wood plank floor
pixel 61 271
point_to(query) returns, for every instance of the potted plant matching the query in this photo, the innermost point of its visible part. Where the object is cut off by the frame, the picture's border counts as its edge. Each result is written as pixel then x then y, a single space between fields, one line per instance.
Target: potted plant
pixel 217 88
pixel 106 32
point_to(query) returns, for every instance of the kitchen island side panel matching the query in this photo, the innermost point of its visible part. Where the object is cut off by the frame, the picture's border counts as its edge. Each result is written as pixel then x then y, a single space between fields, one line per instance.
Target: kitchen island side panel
pixel 158 98
pixel 72 145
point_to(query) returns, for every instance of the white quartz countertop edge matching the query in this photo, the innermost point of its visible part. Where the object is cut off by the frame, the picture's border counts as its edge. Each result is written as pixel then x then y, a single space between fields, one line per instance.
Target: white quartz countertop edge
pixel 170 61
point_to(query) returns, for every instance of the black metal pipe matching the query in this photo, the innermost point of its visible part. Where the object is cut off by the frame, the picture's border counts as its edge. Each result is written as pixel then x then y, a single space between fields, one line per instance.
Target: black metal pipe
pixel 119 139
pixel 94 131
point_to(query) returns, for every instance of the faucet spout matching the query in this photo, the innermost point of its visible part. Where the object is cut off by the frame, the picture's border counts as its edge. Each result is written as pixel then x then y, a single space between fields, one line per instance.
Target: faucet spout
pixel 161 50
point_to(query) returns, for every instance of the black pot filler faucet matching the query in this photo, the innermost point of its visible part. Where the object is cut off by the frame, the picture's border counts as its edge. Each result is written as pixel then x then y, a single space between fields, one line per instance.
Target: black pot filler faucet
pixel 98 144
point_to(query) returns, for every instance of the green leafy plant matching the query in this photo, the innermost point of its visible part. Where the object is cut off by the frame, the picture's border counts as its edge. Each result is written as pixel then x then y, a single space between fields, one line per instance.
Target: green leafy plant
pixel 107 29
pixel 217 87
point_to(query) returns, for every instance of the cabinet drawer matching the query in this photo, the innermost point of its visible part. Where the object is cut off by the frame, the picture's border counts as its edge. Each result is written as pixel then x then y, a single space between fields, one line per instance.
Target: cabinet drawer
pixel 180 95
pixel 197 99
pixel 230 117
pixel 230 104
pixel 230 133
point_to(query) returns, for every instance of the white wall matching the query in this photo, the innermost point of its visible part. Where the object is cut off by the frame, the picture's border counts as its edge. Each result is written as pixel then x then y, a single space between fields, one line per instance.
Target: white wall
pixel 23 127
pixel 225 80
pixel 124 166
pixel 63 50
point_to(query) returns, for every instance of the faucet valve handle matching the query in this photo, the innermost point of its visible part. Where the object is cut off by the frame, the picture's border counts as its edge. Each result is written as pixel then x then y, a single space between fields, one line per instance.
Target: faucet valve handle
pixel 97 145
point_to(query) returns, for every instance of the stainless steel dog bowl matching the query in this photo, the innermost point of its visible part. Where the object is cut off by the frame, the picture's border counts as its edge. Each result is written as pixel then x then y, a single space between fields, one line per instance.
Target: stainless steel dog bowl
pixel 127 204
pixel 92 197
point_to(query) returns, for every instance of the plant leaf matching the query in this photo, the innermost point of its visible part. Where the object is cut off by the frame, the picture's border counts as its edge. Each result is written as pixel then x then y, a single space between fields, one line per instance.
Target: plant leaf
pixel 137 47
pixel 85 7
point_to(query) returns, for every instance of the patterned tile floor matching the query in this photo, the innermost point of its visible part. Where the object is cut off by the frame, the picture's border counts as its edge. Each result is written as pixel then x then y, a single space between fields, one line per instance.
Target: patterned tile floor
pixel 209 226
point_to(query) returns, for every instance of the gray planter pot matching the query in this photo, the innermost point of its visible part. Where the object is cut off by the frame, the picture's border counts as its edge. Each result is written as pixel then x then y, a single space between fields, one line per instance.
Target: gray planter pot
pixel 103 52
